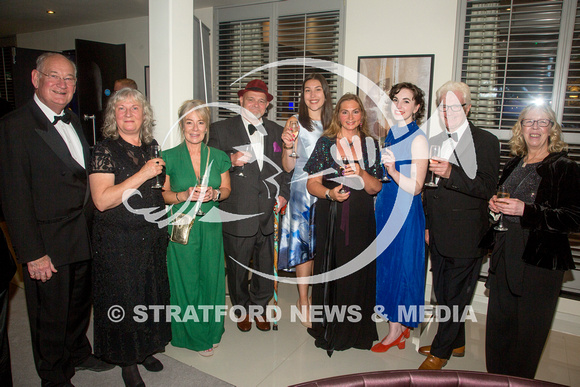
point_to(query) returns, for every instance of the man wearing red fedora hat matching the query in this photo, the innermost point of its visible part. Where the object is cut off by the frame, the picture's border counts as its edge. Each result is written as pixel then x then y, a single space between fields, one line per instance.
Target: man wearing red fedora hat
pixel 254 145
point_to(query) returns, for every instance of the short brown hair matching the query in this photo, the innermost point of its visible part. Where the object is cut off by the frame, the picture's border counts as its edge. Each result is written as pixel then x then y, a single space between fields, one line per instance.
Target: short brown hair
pixel 418 97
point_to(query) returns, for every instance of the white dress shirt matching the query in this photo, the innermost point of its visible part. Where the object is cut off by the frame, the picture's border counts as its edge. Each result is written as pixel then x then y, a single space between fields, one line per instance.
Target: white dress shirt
pixel 257 141
pixel 66 131
pixel 449 144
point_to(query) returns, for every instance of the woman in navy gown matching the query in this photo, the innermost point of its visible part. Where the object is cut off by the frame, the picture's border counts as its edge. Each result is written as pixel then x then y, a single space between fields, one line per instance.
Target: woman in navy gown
pixel 401 266
pixel 297 235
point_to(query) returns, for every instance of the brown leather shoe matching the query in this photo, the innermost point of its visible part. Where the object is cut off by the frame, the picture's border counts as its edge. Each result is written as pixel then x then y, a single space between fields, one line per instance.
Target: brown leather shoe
pixel 457 352
pixel 245 325
pixel 433 363
pixel 261 323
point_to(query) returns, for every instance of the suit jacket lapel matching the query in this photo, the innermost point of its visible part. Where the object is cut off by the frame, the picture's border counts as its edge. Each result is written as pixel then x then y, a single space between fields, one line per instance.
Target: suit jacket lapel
pixel 52 138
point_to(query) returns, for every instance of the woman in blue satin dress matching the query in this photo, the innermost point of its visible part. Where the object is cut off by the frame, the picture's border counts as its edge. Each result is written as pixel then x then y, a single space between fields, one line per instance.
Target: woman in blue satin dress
pixel 297 226
pixel 401 266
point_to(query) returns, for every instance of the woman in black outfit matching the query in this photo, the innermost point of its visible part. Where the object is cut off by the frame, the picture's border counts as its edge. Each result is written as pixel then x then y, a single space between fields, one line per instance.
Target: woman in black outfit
pixel 129 250
pixel 344 223
pixel 530 258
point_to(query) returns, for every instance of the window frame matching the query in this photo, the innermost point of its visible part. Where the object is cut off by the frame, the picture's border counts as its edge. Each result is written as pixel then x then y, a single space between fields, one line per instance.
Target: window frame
pixel 273 11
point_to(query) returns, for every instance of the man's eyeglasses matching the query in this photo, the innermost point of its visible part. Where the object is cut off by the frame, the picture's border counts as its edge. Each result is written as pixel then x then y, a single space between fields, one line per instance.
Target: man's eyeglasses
pixel 541 123
pixel 453 108
pixel 70 81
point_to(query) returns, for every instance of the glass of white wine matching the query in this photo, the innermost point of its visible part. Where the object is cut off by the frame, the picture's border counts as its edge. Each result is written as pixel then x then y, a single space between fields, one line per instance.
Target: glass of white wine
pixel 502 193
pixel 202 190
pixel 434 151
pixel 295 129
pixel 155 153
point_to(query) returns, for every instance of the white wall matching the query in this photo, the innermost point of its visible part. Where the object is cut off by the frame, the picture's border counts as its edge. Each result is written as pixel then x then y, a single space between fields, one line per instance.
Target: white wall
pixel 400 27
pixel 134 33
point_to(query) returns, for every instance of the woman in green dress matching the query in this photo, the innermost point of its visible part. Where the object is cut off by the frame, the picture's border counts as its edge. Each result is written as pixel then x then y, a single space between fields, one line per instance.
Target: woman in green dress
pixel 197 173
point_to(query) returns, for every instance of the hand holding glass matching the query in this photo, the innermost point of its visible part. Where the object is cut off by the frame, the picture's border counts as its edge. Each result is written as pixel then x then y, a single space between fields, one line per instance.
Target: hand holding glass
pixel 385 178
pixel 295 128
pixel 241 172
pixel 502 193
pixel 155 154
pixel 344 188
pixel 434 151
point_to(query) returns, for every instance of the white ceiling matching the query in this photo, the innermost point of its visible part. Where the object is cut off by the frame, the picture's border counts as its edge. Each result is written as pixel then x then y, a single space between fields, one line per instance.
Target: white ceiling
pixel 21 16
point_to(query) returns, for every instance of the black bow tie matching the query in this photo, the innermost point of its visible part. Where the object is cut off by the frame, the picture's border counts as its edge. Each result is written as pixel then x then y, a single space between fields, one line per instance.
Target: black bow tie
pixel 64 118
pixel 251 129
pixel 454 136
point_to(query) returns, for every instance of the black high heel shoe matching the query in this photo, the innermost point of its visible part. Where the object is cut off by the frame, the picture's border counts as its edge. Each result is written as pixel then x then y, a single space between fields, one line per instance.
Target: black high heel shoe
pixel 132 377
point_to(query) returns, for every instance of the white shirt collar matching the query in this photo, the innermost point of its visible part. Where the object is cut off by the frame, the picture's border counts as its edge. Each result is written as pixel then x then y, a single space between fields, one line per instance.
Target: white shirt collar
pixel 247 122
pixel 46 110
pixel 461 130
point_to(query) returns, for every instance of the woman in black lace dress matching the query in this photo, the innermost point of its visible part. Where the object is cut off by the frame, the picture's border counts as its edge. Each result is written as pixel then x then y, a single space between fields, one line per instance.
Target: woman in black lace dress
pixel 130 264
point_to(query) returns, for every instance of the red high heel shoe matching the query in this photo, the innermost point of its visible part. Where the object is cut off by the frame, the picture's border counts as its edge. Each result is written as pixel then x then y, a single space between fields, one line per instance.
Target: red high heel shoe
pixel 399 342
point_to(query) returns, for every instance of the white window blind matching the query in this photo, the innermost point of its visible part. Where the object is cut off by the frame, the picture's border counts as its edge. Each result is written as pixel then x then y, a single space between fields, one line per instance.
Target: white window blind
pixel 509 56
pixel 310 36
pixel 571 116
pixel 276 32
pixel 515 52
pixel 242 46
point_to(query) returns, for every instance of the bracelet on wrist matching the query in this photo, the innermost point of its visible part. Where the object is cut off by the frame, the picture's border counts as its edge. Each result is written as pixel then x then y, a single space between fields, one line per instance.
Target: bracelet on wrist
pixel 327 195
pixel 286 147
pixel 177 197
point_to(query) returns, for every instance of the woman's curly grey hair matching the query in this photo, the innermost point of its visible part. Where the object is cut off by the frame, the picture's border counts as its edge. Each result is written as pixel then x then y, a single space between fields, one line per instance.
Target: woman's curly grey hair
pixel 110 129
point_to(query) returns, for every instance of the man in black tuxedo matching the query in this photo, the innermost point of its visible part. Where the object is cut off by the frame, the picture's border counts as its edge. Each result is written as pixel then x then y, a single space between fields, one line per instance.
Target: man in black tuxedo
pixel 456 215
pixel 262 187
pixel 46 202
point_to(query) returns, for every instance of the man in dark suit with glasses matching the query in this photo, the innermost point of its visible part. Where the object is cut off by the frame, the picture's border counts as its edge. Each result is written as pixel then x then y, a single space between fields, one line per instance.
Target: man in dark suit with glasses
pixel 456 215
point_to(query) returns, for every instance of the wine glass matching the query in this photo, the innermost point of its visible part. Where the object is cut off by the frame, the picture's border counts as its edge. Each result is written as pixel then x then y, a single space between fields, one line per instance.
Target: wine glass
pixel 385 178
pixel 502 193
pixel 295 128
pixel 241 172
pixel 345 162
pixel 434 151
pixel 202 191
pixel 155 154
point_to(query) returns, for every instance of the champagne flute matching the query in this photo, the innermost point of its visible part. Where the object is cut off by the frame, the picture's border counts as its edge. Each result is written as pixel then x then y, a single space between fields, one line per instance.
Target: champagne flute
pixel 502 193
pixel 295 128
pixel 385 178
pixel 202 191
pixel 434 151
pixel 155 154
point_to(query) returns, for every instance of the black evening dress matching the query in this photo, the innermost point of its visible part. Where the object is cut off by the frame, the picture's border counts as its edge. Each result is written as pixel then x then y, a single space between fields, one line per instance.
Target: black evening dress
pixel 343 231
pixel 129 264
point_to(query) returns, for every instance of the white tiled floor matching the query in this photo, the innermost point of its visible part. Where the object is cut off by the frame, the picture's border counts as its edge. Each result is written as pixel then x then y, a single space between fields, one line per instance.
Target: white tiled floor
pixel 288 356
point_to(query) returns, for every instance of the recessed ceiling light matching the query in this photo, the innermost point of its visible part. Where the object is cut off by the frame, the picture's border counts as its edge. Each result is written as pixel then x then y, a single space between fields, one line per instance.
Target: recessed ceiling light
pixel 50 11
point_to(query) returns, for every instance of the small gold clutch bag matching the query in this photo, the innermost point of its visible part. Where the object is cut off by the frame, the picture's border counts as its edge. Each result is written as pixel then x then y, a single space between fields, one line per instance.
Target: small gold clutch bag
pixel 181 227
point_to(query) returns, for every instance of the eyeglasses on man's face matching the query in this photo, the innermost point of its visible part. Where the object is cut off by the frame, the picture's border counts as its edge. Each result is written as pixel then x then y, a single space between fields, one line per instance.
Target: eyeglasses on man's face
pixel 453 108
pixel 541 123
pixel 70 81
